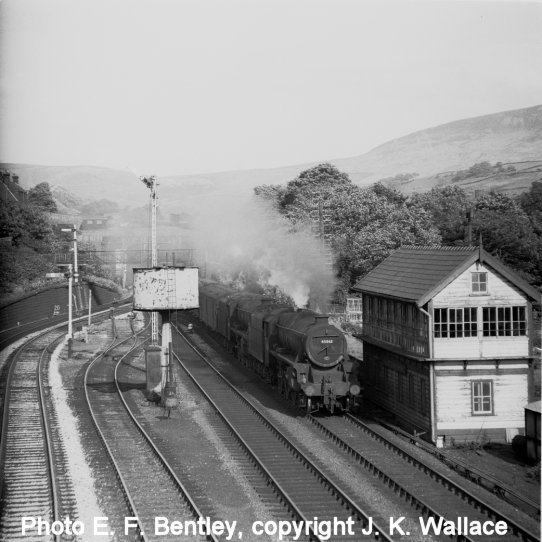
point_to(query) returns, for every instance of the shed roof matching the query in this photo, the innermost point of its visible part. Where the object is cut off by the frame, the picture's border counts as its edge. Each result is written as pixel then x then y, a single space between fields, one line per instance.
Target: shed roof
pixel 535 406
pixel 418 273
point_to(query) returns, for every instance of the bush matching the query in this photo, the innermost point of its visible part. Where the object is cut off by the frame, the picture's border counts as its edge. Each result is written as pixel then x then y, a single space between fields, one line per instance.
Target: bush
pixel 23 269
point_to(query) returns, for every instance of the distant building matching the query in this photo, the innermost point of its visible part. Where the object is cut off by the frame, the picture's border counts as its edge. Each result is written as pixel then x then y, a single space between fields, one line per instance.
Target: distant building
pixel 447 337
pixel 65 220
pixel 94 231
pixel 10 190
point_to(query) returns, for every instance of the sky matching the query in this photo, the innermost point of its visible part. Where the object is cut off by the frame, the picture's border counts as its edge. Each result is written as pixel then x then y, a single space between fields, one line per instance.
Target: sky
pixel 193 86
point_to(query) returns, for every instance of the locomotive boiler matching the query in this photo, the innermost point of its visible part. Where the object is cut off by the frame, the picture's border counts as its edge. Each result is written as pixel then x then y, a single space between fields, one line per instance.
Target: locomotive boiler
pixel 298 351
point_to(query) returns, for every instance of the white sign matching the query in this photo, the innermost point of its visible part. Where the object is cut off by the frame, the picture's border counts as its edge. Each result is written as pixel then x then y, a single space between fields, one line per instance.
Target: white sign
pixel 166 288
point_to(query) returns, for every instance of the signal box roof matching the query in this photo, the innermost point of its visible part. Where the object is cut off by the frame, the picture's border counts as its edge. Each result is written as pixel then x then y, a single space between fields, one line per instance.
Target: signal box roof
pixel 418 273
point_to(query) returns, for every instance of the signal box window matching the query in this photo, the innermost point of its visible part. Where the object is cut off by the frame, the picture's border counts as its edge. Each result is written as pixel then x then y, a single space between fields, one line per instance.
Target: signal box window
pixel 453 323
pixel 482 397
pixel 504 321
pixel 479 283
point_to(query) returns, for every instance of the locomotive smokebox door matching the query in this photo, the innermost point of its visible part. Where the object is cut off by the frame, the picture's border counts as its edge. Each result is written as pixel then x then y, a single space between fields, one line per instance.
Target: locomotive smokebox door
pixel 170 395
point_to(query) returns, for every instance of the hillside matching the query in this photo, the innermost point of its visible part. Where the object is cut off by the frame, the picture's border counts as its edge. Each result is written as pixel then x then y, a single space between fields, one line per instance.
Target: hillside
pixel 511 136
pixel 517 178
pixel 84 182
pixel 435 153
pixel 508 137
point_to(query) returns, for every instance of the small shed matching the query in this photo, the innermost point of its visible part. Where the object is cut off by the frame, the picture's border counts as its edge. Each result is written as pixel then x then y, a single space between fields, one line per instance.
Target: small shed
pixel 532 431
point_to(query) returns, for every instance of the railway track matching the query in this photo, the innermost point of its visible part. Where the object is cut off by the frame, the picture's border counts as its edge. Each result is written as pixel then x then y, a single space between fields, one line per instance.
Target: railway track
pixel 429 491
pixel 468 471
pixel 431 494
pixel 150 485
pixel 33 477
pixel 305 490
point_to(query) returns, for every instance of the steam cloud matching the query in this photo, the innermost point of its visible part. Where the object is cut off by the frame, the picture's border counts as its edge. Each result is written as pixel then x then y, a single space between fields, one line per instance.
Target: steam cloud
pixel 244 240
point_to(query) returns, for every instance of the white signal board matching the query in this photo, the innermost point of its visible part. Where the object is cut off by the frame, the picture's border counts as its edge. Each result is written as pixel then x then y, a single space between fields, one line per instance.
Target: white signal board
pixel 166 288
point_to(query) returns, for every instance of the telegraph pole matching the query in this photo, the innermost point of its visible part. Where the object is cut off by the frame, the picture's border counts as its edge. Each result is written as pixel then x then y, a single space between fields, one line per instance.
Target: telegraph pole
pixel 70 310
pixel 151 184
pixel 70 302
pixel 469 214
pixel 321 229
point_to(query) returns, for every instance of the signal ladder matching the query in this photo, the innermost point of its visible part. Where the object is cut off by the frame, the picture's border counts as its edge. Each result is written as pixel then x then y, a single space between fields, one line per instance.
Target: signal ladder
pixel 171 287
pixel 321 229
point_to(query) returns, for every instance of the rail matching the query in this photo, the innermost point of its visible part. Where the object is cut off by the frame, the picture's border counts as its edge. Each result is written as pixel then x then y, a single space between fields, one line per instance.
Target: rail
pixel 524 534
pixel 470 472
pixel 340 495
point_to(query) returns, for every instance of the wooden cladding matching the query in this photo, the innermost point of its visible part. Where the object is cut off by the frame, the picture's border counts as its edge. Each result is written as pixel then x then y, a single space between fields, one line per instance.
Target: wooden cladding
pixel 397 323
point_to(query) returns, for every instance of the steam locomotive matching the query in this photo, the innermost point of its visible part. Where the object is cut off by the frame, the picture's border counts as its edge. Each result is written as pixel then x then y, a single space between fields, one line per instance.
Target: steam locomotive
pixel 299 351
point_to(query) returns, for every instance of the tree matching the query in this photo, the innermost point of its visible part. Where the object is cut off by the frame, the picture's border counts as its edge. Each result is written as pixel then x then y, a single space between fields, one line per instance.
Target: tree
pixel 391 194
pixel 480 169
pixel 302 195
pixel 372 227
pixel 90 262
pixel 531 203
pixel 447 206
pixel 270 193
pixel 26 225
pixel 316 183
pixel 365 224
pixel 42 197
pixel 507 232
pixel 497 202
pixel 399 178
pixel 22 265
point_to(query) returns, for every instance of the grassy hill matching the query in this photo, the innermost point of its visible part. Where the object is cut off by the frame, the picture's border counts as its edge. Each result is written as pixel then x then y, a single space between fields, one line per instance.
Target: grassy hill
pixel 84 182
pixel 511 137
pixel 510 182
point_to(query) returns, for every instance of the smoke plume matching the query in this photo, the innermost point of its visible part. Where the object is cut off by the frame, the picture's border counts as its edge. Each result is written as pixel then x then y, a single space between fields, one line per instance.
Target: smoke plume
pixel 246 242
